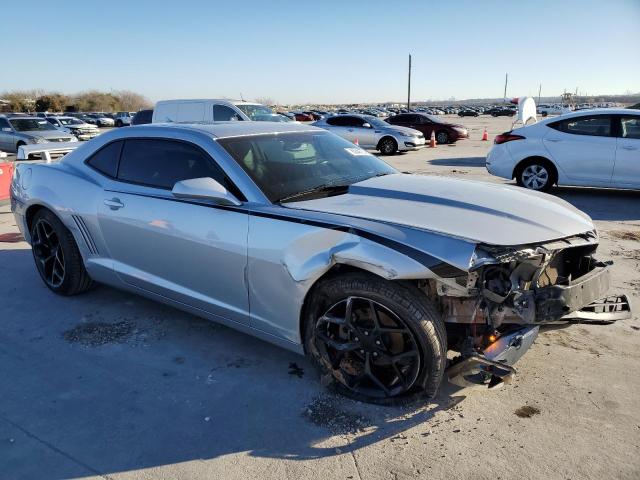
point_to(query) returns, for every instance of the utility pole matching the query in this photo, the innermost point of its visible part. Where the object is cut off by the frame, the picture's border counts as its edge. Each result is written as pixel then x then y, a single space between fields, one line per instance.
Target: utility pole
pixel 409 87
pixel 506 80
pixel 539 92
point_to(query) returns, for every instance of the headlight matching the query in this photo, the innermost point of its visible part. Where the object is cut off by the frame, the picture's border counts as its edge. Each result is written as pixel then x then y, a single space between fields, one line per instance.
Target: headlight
pixel 460 130
pixel 405 134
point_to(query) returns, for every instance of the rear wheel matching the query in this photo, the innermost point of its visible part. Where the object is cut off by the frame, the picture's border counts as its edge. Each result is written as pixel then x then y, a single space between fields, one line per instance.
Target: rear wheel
pixel 375 340
pixel 536 174
pixel 119 123
pixel 388 146
pixel 56 255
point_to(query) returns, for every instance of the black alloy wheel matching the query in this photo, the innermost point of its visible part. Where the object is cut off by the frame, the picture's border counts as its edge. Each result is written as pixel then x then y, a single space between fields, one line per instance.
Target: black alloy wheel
pixel 372 351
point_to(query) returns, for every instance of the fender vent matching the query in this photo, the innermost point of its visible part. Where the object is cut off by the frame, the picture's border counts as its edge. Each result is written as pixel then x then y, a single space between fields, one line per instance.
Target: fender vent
pixel 88 240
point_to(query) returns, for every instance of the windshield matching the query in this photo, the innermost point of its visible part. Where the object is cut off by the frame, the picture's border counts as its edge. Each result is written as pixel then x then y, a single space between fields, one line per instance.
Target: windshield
pixel 288 163
pixel 271 117
pixel 30 124
pixel 375 121
pixel 70 121
pixel 433 118
pixel 253 111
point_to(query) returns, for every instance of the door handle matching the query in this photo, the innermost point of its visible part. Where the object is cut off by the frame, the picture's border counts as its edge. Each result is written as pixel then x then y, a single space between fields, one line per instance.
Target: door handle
pixel 114 203
pixel 554 140
pixel 350 129
pixel 629 147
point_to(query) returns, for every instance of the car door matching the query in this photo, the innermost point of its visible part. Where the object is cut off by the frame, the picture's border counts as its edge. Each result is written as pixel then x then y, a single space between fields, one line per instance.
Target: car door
pixel 6 135
pixel 358 133
pixel 626 172
pixel 583 148
pixel 191 252
pixel 339 125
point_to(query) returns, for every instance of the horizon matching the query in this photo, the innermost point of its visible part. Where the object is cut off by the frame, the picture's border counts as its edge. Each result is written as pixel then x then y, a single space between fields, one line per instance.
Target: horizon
pixel 302 54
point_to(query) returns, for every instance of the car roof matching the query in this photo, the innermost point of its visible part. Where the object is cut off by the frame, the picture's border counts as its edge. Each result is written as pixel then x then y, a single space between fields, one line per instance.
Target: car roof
pixel 590 112
pixel 236 128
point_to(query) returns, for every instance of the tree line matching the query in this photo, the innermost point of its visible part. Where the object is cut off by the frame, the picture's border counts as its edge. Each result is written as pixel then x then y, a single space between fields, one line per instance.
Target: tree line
pixel 89 101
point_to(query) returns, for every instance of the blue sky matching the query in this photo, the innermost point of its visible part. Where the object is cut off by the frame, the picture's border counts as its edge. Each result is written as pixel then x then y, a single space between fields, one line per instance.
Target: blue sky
pixel 322 51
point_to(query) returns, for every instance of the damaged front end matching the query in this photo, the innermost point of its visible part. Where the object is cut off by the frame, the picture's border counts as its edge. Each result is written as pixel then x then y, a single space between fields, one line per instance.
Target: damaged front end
pixel 493 314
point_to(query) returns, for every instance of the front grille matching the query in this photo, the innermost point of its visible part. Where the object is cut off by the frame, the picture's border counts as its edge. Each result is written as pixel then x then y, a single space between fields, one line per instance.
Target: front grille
pixel 62 139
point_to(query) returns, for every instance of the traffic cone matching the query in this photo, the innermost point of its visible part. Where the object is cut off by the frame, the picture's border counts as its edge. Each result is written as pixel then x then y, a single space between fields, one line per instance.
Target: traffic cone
pixel 485 135
pixel 356 142
pixel 432 141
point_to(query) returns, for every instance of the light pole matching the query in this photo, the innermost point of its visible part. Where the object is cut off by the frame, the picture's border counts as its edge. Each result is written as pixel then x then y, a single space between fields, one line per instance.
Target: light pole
pixel 409 87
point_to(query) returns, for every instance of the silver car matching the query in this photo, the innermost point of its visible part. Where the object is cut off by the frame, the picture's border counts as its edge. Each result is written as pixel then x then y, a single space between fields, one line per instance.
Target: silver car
pixel 74 126
pixel 372 133
pixel 297 236
pixel 17 131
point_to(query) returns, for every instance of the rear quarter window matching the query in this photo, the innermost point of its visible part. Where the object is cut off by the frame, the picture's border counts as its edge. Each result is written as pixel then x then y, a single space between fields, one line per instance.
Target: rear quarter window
pixel 106 159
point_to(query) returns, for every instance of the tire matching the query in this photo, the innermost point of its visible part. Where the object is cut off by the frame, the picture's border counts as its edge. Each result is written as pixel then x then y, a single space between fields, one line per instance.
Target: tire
pixel 395 303
pixel 536 174
pixel 119 123
pixel 442 137
pixel 64 272
pixel 388 146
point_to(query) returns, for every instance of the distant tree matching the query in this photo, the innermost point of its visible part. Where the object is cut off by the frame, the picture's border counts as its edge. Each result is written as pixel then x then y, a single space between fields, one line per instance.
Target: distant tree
pixel 265 101
pixel 54 102
pixel 129 101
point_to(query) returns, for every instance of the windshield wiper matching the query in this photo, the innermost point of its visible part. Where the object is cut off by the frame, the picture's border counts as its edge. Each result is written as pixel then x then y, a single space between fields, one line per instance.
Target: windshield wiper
pixel 325 188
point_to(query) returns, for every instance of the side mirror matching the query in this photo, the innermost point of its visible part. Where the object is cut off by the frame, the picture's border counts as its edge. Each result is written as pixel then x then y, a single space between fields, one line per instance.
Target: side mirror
pixel 205 188
pixel 366 125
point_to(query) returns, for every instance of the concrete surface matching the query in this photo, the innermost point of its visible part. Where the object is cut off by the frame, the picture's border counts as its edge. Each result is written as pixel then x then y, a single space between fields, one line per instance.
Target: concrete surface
pixel 110 385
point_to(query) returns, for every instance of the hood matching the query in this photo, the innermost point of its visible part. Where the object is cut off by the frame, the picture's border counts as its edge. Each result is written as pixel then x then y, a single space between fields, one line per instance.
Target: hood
pixel 87 126
pixel 487 213
pixel 47 134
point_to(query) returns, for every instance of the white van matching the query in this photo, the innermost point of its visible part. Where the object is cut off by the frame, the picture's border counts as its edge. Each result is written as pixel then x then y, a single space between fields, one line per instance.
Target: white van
pixel 196 111
pixel 207 111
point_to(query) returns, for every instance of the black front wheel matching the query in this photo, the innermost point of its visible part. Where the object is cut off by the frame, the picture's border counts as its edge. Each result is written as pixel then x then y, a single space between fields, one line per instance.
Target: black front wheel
pixel 375 340
pixel 442 138
pixel 56 255
pixel 388 146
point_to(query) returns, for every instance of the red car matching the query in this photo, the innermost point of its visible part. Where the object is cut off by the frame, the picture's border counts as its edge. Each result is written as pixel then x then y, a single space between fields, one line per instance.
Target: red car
pixel 6 172
pixel 445 132
pixel 302 117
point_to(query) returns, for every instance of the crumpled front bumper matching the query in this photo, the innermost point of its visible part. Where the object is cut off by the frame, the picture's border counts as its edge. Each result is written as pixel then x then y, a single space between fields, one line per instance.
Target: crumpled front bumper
pixel 494 365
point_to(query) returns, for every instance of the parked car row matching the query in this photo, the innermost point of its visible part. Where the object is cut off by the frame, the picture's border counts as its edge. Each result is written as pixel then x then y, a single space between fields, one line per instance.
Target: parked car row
pixel 16 131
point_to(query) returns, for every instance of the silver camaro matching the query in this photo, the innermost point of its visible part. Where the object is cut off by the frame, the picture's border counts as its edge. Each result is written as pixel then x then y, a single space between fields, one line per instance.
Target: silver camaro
pixel 303 239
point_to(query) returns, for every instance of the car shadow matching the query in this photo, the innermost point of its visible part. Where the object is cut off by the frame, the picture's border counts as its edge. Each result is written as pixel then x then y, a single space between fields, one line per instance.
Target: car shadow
pixel 459 162
pixel 109 382
pixel 602 204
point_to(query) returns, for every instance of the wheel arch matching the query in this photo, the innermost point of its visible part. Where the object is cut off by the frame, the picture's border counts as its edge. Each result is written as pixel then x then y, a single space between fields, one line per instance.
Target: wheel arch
pixel 337 270
pixel 384 137
pixel 527 160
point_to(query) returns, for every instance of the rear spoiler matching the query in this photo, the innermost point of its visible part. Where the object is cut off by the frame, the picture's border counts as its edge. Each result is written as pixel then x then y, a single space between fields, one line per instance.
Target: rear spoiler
pixel 47 150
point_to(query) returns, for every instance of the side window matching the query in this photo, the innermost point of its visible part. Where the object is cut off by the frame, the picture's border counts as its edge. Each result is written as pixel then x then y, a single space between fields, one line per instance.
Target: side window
pixel 222 113
pixel 4 123
pixel 398 119
pixel 106 159
pixel 630 127
pixel 353 122
pixel 338 121
pixel 161 163
pixel 599 126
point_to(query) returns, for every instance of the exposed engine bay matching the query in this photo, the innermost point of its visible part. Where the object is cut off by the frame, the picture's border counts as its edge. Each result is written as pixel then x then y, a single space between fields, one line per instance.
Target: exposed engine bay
pixel 493 314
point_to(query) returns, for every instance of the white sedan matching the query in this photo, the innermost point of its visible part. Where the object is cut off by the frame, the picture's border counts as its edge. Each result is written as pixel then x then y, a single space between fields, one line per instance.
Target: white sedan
pixel 594 148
